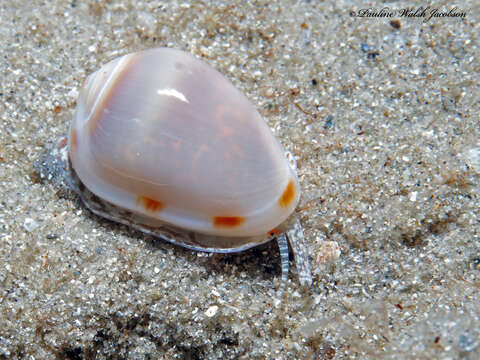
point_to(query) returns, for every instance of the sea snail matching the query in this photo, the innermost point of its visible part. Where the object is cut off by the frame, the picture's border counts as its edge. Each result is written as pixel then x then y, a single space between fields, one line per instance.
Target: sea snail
pixel 166 144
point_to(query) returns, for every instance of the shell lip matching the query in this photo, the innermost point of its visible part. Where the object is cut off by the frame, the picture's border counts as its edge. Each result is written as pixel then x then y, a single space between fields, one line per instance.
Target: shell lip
pixel 182 237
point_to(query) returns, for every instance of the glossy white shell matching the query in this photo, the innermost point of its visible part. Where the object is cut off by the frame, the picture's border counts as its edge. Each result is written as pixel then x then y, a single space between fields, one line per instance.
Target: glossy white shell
pixel 164 135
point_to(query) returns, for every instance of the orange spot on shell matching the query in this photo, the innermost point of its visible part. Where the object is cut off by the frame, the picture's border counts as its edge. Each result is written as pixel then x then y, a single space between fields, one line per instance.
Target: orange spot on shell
pixel 73 139
pixel 176 144
pixel 150 204
pixel 228 221
pixel 274 232
pixel 226 131
pixel 288 195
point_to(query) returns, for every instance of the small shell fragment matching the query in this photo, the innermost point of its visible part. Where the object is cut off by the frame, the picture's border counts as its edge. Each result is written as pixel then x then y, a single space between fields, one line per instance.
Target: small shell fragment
pixel 211 311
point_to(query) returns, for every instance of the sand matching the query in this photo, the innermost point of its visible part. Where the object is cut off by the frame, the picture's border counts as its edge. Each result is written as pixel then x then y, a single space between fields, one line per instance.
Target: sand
pixel 382 114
